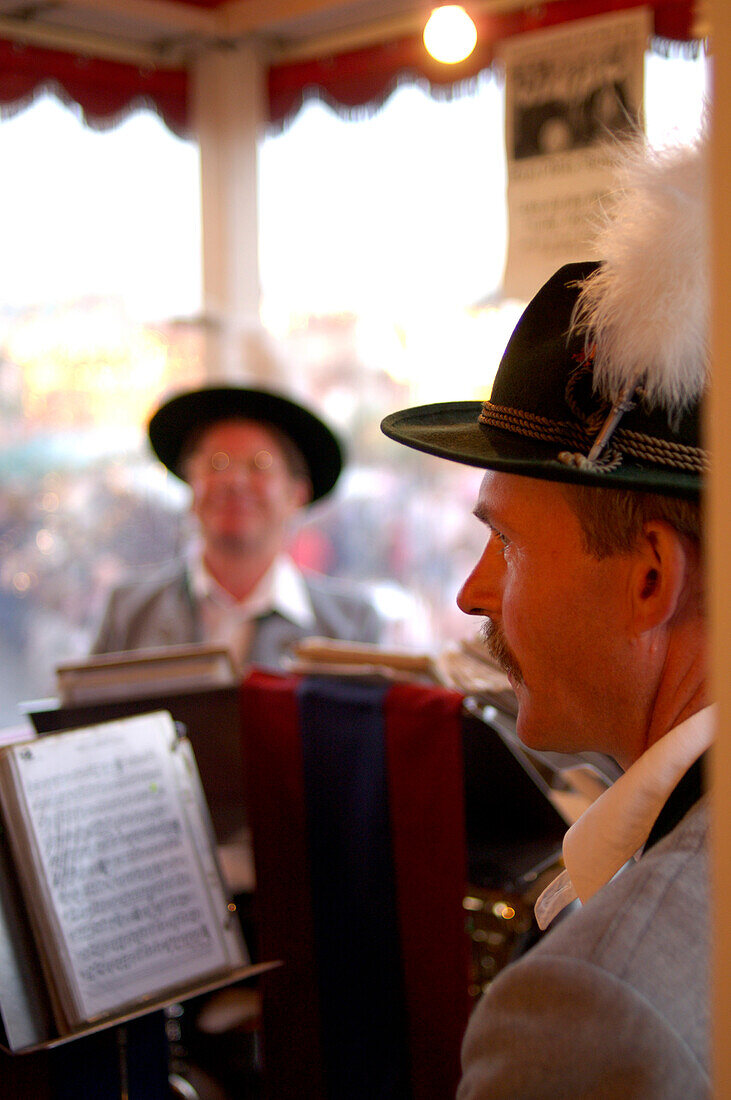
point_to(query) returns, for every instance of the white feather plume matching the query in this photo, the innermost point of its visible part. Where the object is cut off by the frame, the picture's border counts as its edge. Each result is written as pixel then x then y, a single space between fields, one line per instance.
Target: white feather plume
pixel 646 309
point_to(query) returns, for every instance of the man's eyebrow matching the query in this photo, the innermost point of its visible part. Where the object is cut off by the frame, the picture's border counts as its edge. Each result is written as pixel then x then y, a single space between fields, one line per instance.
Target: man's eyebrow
pixel 483 513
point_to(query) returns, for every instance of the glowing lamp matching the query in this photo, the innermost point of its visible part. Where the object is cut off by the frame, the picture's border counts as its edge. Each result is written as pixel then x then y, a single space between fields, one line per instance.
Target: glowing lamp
pixel 450 35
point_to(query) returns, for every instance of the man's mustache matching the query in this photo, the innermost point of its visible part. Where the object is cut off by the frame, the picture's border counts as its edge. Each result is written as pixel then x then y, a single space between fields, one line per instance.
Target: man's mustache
pixel 496 645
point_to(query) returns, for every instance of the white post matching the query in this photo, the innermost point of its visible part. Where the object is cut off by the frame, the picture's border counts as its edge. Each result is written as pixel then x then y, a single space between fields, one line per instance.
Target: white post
pixel 228 113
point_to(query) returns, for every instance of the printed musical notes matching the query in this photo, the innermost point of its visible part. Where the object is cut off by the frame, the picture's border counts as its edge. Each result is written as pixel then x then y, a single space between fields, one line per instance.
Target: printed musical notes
pixel 115 858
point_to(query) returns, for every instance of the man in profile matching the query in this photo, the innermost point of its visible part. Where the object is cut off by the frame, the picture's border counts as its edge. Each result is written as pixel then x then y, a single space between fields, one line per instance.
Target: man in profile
pixel 592 584
pixel 253 460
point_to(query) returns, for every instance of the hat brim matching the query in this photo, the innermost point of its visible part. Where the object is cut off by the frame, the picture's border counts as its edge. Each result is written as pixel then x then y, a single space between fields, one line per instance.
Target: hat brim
pixel 173 422
pixel 452 430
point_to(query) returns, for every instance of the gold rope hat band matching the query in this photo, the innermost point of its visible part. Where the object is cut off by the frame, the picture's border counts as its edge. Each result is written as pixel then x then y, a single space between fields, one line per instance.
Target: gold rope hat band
pixel 571 435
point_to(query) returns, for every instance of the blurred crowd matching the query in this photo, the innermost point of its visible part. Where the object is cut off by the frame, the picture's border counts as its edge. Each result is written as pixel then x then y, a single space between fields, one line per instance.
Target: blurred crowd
pixel 69 533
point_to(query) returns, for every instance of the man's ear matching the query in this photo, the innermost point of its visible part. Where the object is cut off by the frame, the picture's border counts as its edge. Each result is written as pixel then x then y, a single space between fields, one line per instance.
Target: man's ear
pixel 658 577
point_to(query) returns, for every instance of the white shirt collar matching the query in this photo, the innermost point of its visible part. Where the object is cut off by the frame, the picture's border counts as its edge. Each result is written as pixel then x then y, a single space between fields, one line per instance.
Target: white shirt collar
pixel 281 589
pixel 615 828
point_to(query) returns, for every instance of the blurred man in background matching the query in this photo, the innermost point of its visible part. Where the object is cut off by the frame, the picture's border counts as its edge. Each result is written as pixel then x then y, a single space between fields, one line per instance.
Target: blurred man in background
pixel 253 460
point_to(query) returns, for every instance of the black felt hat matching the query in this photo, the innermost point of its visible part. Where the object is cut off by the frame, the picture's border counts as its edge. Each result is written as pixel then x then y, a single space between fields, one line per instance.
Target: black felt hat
pixel 543 416
pixel 173 422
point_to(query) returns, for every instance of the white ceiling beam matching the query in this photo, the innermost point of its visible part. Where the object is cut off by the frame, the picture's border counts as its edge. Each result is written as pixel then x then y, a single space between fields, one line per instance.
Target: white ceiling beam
pixel 323 45
pixel 249 16
pixel 168 15
pixel 85 45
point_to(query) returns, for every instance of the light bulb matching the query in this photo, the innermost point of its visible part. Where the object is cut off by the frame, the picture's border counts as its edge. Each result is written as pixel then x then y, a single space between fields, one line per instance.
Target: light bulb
pixel 450 35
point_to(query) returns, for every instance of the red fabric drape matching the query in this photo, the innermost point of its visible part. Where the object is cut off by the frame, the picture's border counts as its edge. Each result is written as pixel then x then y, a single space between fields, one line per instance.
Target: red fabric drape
pixel 420 731
pixel 106 91
pixel 276 802
pixel 425 770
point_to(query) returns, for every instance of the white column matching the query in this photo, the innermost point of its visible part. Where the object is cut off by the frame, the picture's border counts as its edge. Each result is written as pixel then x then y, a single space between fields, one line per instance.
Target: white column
pixel 720 535
pixel 229 114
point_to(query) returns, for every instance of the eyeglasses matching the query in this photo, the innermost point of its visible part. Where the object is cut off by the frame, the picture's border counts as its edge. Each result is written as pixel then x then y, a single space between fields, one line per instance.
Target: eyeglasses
pixel 221 462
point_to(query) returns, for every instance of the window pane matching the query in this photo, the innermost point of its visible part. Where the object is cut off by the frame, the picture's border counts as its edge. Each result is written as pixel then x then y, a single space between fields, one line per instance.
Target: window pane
pixel 380 267
pixel 101 243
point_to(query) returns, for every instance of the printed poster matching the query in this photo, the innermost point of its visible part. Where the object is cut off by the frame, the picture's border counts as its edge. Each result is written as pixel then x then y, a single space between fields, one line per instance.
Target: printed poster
pixel 571 93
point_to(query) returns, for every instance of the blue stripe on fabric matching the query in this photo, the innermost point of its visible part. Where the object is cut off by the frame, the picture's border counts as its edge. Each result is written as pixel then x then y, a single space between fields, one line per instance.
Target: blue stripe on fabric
pixel 357 943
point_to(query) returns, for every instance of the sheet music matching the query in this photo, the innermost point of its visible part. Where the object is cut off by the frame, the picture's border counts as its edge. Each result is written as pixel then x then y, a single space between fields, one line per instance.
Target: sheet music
pixel 122 866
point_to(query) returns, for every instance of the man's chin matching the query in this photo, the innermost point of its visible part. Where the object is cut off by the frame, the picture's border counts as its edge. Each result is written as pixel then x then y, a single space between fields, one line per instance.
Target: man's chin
pixel 236 542
pixel 529 732
pixel 542 735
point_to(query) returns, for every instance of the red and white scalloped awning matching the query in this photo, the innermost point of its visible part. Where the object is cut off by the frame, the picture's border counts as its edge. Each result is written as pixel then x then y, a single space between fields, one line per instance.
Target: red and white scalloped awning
pixel 112 56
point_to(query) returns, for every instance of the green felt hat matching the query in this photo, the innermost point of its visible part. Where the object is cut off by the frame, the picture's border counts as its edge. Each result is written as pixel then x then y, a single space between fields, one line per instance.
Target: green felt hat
pixel 545 416
pixel 173 422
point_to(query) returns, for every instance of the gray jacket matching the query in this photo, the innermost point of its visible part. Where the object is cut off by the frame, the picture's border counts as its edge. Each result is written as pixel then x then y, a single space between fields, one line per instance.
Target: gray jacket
pixel 160 611
pixel 613 1002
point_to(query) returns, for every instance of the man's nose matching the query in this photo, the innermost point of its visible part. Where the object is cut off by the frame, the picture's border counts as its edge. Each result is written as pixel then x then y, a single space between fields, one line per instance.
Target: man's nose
pixel 239 471
pixel 481 593
pixel 242 471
